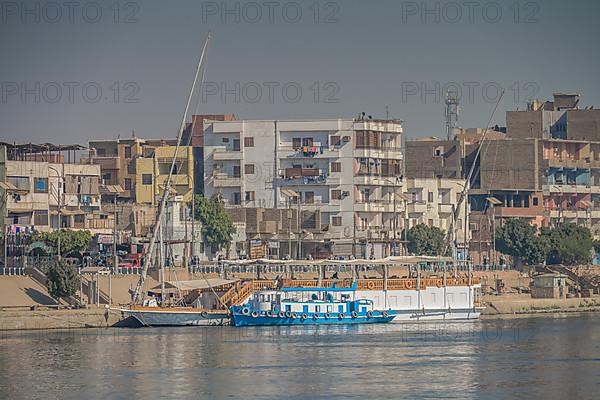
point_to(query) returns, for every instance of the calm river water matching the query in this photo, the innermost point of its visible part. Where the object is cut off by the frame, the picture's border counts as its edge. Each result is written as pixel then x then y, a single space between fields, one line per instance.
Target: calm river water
pixel 546 357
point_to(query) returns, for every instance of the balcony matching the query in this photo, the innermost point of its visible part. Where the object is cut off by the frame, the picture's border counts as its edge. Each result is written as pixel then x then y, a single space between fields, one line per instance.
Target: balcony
pixel 418 207
pixel 375 206
pixel 226 180
pixel 516 212
pixel 570 188
pixel 379 152
pixel 104 162
pixel 323 151
pixel 363 179
pixel 307 176
pixel 586 162
pixel 372 232
pixel 445 208
pixel 226 154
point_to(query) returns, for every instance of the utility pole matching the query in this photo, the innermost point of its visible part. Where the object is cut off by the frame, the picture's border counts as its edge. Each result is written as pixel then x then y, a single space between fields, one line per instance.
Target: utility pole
pixel 115 256
pixel 494 232
pixel 299 227
pixel 289 217
pixel 59 201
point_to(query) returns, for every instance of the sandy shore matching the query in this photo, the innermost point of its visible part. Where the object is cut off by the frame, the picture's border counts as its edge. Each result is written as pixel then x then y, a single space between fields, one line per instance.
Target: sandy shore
pixel 514 304
pixel 57 319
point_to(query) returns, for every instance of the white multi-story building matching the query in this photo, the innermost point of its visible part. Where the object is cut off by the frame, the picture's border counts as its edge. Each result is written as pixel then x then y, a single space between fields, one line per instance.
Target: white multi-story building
pixel 343 176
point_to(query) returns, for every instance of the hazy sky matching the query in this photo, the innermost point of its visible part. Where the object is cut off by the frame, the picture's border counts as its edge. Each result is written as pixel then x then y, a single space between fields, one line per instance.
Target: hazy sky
pixel 75 71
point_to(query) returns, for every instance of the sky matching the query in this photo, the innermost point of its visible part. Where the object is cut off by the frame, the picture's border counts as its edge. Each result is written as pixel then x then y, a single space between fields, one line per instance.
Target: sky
pixel 81 70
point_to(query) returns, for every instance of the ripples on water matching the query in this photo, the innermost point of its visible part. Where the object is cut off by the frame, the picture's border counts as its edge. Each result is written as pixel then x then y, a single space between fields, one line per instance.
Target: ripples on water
pixel 549 358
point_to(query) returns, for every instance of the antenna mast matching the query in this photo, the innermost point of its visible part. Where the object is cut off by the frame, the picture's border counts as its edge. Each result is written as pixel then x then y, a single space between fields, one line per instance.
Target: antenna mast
pixel 451 113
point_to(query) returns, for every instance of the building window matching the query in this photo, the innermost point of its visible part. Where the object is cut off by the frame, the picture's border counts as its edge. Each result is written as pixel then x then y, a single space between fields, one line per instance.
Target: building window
pixel 307 141
pixel 430 197
pixel 249 169
pixel 250 196
pixel 430 222
pixel 535 201
pixel 127 151
pixel 336 194
pixel 236 171
pixel 40 217
pixel 248 142
pixel 309 197
pixel 225 140
pixel 41 185
pixel 146 179
pixel 438 151
pixel 296 143
pixel 336 167
pixel 20 182
pixel 237 198
pixel 236 144
pixel 334 140
pixel 128 184
pixel 336 221
pixel 100 152
pixel 106 178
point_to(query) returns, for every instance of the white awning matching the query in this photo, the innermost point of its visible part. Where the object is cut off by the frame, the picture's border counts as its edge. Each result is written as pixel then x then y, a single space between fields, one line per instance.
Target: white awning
pixel 195 284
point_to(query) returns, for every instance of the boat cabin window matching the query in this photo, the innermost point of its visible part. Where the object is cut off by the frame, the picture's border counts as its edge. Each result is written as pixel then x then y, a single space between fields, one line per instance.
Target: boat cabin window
pixel 363 310
pixel 317 308
pixel 329 308
pixel 340 308
pixel 288 307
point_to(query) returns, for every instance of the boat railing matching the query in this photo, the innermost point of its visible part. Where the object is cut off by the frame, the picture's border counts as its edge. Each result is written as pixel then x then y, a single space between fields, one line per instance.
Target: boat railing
pixel 241 291
pixel 379 284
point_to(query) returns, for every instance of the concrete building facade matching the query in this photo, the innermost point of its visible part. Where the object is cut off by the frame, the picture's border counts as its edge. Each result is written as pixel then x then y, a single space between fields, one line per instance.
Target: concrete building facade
pixel 343 177
pixel 43 192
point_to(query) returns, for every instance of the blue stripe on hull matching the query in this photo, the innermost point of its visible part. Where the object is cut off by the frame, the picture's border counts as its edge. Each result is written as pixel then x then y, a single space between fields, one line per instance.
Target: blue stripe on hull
pixel 247 320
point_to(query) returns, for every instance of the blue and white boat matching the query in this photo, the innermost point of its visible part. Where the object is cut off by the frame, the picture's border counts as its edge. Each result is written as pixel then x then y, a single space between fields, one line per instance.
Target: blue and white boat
pixel 303 306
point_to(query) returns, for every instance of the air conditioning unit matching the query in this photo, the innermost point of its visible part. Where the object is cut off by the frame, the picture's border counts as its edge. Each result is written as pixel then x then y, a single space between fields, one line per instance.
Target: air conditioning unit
pixel 346 139
pixel 345 194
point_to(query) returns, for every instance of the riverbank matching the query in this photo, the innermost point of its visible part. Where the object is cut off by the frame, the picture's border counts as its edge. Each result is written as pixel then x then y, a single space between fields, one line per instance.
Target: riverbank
pixel 43 319
pixel 515 304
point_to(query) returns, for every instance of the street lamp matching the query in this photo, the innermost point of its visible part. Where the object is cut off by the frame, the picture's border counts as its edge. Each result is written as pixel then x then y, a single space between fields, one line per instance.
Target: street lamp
pixel 493 202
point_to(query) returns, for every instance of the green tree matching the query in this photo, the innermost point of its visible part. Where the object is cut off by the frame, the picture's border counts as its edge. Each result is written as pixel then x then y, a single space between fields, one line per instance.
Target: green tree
pixel 517 238
pixel 70 241
pixel 568 244
pixel 62 280
pixel 217 226
pixel 425 241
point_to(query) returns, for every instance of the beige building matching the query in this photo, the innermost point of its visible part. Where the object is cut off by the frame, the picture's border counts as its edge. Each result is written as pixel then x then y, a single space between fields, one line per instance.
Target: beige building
pixel 43 191
pixel 432 202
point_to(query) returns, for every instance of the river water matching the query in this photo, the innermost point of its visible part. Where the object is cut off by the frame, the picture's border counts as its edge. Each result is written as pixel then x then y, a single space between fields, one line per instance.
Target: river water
pixel 550 357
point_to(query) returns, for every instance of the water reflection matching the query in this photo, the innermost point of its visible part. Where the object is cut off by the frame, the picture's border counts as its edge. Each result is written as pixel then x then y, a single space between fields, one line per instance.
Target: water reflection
pixel 541 357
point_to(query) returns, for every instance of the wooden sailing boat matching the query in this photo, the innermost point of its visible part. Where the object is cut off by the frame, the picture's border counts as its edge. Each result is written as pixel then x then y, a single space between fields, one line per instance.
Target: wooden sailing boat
pixel 148 311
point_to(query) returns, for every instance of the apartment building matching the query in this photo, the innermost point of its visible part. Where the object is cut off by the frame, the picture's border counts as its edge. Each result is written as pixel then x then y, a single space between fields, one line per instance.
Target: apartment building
pixel 138 168
pixel 152 172
pixel 433 202
pixel 342 175
pixel 43 188
pixel 194 136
